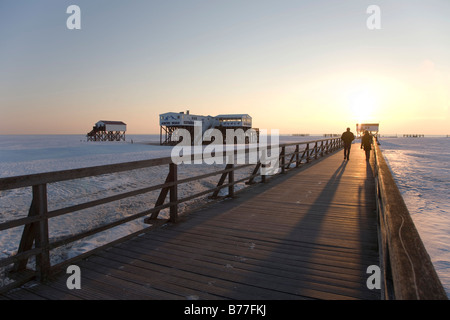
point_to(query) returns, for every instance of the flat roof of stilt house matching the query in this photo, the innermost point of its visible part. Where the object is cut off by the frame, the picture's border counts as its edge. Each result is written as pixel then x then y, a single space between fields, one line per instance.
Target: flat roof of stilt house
pixel 111 122
pixel 112 125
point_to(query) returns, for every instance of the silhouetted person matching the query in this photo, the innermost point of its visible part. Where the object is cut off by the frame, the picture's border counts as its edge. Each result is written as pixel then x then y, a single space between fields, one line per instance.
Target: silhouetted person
pixel 348 138
pixel 366 143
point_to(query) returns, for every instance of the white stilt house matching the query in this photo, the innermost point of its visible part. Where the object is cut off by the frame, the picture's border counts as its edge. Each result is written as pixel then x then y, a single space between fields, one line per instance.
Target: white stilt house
pixel 107 131
pixel 171 121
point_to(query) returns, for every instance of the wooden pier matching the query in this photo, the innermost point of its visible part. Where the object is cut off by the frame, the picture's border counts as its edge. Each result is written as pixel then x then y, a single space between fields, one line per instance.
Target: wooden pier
pixel 309 233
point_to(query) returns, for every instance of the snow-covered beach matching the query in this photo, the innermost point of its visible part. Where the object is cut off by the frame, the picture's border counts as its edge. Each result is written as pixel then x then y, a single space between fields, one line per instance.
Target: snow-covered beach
pixel 421 167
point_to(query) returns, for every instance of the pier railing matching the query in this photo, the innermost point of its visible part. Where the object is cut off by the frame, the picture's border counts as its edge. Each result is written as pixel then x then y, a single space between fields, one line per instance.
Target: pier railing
pixel 37 242
pixel 408 272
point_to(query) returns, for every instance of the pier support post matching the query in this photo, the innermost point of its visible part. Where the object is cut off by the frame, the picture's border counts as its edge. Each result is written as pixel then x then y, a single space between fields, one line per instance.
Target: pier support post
pixel 173 177
pixel 36 232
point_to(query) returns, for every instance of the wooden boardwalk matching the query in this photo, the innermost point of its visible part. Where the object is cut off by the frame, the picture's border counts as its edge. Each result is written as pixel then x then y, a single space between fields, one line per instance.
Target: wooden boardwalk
pixel 308 234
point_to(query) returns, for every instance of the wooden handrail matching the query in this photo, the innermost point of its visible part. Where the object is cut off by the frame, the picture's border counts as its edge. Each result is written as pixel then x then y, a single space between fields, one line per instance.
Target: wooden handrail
pixel 36 224
pixel 407 268
pixel 72 174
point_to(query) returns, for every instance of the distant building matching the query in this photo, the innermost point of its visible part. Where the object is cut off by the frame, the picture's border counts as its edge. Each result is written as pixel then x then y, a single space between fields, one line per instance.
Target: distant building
pixel 107 131
pixel 371 127
pixel 171 121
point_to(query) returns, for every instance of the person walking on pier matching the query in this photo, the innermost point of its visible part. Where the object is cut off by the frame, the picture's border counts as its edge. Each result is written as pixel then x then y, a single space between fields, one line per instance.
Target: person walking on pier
pixel 366 143
pixel 348 138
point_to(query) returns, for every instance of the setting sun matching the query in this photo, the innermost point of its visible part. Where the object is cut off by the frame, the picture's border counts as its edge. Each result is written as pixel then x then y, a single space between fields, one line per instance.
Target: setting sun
pixel 363 104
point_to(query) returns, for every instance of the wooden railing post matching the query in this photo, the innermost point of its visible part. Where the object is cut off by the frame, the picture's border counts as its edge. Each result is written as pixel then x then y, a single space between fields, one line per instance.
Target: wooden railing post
pixel 231 182
pixel 222 180
pixel 173 174
pixel 36 232
pixel 42 259
pixel 173 197
pixel 283 159
pixel 307 153
pixel 255 171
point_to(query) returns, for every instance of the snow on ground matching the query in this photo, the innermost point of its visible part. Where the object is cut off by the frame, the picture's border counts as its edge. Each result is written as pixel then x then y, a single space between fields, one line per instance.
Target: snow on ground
pixel 421 168
pixel 42 153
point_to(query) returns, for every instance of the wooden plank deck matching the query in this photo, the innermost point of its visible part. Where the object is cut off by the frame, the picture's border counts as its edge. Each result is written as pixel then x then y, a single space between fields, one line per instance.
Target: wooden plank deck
pixel 308 234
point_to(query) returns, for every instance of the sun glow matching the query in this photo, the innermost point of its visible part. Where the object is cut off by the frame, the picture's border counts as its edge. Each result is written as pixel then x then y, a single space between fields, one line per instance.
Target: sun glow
pixel 363 104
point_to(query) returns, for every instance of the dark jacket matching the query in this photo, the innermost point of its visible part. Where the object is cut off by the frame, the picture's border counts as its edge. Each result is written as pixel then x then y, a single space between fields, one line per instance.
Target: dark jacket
pixel 347 137
pixel 366 141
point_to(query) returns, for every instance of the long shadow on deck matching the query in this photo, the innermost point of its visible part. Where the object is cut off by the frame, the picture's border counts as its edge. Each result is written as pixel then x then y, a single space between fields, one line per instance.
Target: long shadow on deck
pixel 327 252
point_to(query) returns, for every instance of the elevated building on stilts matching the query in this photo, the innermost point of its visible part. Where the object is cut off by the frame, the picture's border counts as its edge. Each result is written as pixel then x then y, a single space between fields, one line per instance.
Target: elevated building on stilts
pixel 107 131
pixel 171 121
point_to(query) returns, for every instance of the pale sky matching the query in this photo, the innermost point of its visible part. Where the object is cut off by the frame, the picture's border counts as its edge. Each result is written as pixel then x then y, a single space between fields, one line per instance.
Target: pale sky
pixel 298 66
